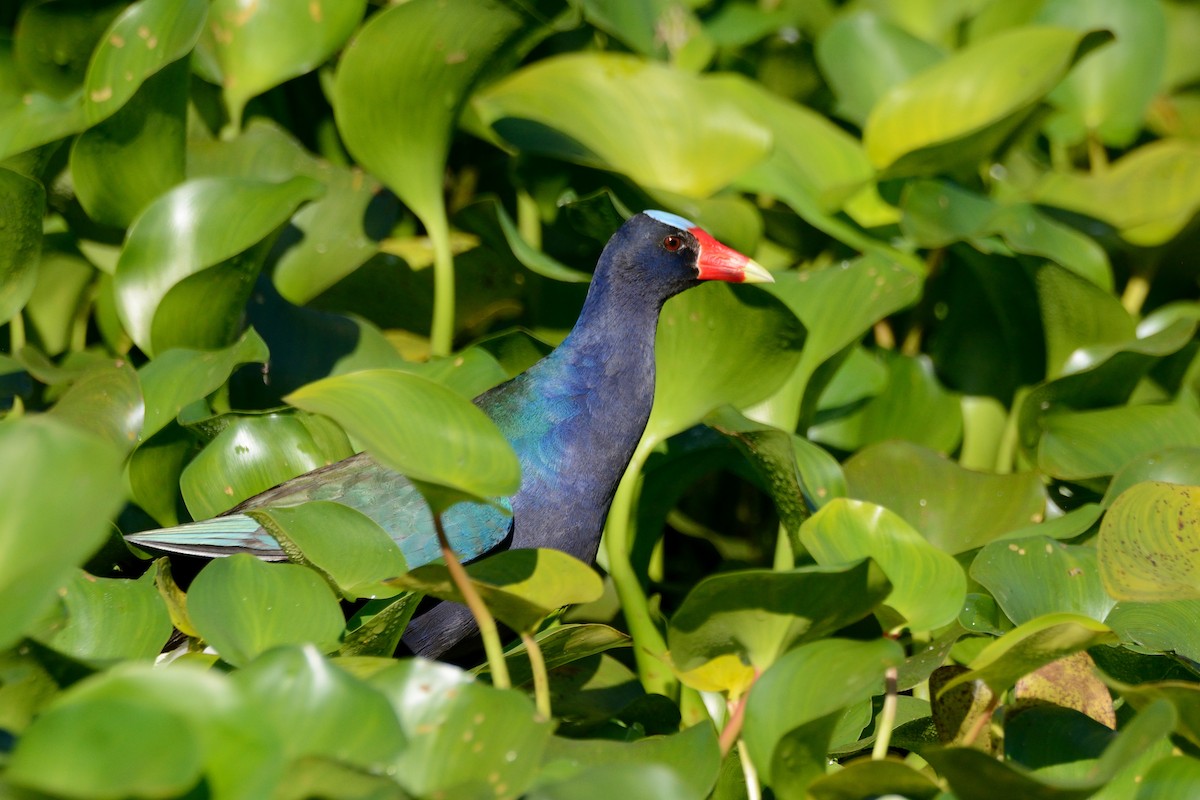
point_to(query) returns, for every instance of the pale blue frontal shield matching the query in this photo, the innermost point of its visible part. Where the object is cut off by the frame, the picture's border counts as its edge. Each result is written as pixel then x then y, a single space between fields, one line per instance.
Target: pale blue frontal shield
pixel 667 218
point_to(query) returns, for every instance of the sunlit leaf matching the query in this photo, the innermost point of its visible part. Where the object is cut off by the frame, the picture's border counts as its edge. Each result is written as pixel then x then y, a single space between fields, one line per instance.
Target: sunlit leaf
pixel 23 201
pixel 1036 576
pixel 1147 548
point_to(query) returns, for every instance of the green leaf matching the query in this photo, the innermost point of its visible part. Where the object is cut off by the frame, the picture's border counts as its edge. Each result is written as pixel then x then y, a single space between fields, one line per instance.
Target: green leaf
pixel 731 626
pixel 1179 465
pixel 863 55
pixel 1106 94
pixel 1035 576
pixel 1171 777
pixel 874 778
pixel 1147 545
pixel 23 201
pixel 179 377
pixel 929 586
pixel 691 755
pixel 617 112
pixel 189 260
pixel 1078 314
pixel 260 46
pixel 254 453
pixel 1167 627
pixel 58 489
pixel 1148 195
pixel 1091 444
pixel 419 428
pixel 814 682
pixel 106 620
pixel 346 546
pixel 105 401
pixel 520 587
pixel 719 347
pixel 990 84
pixel 465 739
pixel 956 509
pixel 561 645
pixel 243 607
pixel 316 709
pixel 1032 645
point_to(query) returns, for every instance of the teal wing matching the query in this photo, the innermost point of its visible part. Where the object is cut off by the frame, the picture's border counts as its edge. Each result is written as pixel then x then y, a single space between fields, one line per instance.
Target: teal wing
pixel 359 482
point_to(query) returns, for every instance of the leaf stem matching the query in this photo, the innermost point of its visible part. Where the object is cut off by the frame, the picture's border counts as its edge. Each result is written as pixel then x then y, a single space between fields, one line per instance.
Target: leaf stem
pixel 483 618
pixel 887 716
pixel 649 647
pixel 733 728
pixel 541 681
pixel 753 790
pixel 441 335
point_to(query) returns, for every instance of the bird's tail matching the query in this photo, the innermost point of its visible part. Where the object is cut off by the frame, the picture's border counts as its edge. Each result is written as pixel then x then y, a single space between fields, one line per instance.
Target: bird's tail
pixel 210 538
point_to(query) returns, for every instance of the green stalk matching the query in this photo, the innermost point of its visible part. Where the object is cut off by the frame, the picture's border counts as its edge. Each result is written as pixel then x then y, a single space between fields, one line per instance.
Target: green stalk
pixel 441 337
pixel 529 223
pixel 483 617
pixel 649 648
pixel 541 681
pixel 753 790
pixel 887 717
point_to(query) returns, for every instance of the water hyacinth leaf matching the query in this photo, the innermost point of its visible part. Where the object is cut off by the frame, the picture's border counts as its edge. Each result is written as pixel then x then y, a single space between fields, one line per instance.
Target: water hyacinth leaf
pixel 243 607
pixel 1178 465
pixel 1184 696
pixel 179 377
pixel 520 587
pixel 1148 195
pixel 419 428
pixel 929 586
pixel 1091 444
pixel 1106 95
pixel 491 222
pixel 105 401
pixel 253 453
pixel 1069 682
pixel 55 40
pixel 23 200
pixel 123 163
pixel 105 620
pixel 563 644
pixel 814 681
pixel 1032 645
pixel 465 738
pixel 177 242
pixel 316 709
pixel 956 509
pixel 260 46
pixel 58 488
pixel 1147 547
pixel 874 778
pixel 376 628
pixel 344 545
pixel 145 38
pixel 619 112
pixel 153 471
pixel 693 755
pixel 990 84
pixel 732 625
pixel 702 363
pixel 1170 777
pixel 1038 575
pixel 1164 627
pixel 633 781
pixel 1077 314
pixel 863 55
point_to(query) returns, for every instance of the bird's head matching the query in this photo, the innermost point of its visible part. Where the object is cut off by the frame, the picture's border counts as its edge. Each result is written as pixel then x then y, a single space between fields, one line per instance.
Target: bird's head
pixel 657 250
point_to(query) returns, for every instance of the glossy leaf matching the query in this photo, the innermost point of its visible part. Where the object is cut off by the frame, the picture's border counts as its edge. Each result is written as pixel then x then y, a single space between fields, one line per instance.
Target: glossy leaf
pixel 1147 547
pixel 1178 465
pixel 23 201
pixel 179 377
pixel 718 347
pixel 104 620
pixel 520 587
pixel 351 550
pixel 58 488
pixel 251 454
pixel 1089 444
pixel 734 625
pixel 1032 645
pixel 260 46
pixel 1036 576
pixel 807 685
pixel 563 644
pixel 174 246
pixel 956 509
pixel 872 778
pixel 928 585
pixel 990 84
pixel 243 607
pixel 1165 627
pixel 464 738
pixel 418 428
pixel 316 709
pixel 105 401
pixel 610 110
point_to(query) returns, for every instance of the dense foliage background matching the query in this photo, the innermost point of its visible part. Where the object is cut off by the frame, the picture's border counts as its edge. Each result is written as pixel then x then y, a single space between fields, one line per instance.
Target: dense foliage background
pixel 921 518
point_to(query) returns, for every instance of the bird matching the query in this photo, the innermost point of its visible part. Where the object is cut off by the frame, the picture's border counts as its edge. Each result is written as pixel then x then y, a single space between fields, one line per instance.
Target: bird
pixel 573 419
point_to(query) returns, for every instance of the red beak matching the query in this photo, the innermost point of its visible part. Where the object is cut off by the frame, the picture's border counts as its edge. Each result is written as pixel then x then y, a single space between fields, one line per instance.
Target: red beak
pixel 717 262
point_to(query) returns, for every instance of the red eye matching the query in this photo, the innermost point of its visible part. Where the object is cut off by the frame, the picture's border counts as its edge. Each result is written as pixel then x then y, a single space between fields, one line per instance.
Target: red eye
pixel 672 243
